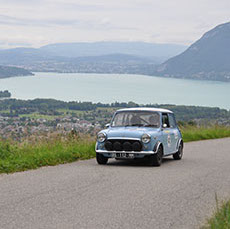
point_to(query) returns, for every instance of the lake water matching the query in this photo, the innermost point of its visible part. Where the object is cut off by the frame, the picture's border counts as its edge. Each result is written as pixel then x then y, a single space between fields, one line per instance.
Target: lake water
pixel 107 88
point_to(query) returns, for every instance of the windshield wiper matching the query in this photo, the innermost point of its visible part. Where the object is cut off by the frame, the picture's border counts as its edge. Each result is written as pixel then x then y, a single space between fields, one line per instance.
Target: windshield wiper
pixel 137 125
pixel 134 125
pixel 150 125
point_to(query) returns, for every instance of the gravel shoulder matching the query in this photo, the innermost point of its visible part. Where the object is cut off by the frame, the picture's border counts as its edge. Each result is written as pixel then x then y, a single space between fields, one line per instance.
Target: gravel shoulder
pixel 122 194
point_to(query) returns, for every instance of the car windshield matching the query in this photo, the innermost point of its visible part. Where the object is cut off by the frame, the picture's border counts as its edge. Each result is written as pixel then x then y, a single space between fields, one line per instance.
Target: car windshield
pixel 136 118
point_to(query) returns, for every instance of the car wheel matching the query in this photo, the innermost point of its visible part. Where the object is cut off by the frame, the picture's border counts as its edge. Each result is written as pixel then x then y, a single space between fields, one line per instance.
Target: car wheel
pixel 156 159
pixel 178 155
pixel 101 160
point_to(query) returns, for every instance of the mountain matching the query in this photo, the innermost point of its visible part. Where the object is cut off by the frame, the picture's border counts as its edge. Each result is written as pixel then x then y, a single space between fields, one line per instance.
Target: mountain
pixel 35 60
pixel 158 51
pixel 98 57
pixel 206 59
pixel 6 72
pixel 116 57
pixel 66 51
pixel 23 56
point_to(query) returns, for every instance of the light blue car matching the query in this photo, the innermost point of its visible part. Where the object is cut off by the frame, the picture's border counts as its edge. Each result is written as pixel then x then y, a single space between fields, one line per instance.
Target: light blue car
pixel 140 132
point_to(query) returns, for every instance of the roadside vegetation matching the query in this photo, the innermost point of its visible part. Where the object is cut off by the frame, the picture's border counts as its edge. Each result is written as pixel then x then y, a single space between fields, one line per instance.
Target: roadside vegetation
pixel 221 219
pixel 38 152
pixel 194 133
pixel 35 152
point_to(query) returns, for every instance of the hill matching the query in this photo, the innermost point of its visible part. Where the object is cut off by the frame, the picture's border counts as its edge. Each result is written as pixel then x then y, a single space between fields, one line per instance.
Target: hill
pixel 206 59
pixel 6 72
pixel 157 51
pixel 23 56
pixel 99 57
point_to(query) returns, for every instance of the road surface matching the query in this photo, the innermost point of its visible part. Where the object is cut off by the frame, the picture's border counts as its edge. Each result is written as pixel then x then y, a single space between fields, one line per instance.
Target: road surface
pixel 179 194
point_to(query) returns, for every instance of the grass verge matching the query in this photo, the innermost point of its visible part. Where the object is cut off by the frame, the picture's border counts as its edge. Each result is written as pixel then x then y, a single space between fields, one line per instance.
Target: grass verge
pixel 16 156
pixel 193 133
pixel 221 219
pixel 31 154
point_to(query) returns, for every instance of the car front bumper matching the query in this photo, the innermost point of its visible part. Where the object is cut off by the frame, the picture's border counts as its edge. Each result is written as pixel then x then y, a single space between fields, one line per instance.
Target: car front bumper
pixel 135 153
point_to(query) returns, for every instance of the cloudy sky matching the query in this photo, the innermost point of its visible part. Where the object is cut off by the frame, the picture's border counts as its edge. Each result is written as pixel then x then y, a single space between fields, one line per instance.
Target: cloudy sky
pixel 38 22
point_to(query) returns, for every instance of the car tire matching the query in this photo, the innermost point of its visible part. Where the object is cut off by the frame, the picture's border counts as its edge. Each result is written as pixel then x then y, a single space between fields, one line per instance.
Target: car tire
pixel 156 159
pixel 101 160
pixel 178 155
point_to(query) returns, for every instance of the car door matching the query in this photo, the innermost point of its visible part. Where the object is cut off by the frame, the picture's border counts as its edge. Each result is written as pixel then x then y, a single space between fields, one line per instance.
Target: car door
pixel 166 138
pixel 174 132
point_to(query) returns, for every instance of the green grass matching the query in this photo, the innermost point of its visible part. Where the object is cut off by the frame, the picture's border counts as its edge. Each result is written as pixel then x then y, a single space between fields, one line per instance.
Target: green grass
pixel 5 111
pixel 191 133
pixel 67 111
pixel 221 219
pixel 41 151
pixel 16 156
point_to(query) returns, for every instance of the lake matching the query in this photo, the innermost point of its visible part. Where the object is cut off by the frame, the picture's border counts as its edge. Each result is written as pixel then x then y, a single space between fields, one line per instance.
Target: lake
pixel 107 88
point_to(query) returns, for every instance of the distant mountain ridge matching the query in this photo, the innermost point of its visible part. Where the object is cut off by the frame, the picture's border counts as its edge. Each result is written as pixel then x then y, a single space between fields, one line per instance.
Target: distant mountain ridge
pixel 206 59
pixel 142 49
pixel 156 52
pixel 113 63
pixel 6 72
pixel 97 57
pixel 23 56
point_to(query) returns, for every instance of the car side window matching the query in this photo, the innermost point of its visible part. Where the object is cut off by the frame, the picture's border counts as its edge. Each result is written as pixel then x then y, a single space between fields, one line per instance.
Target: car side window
pixel 172 121
pixel 165 119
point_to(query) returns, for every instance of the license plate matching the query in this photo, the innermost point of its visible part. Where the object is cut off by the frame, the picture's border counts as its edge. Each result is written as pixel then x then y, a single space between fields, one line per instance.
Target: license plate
pixel 124 155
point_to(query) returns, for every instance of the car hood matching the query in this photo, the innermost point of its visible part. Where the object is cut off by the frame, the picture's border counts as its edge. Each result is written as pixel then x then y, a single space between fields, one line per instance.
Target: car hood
pixel 129 132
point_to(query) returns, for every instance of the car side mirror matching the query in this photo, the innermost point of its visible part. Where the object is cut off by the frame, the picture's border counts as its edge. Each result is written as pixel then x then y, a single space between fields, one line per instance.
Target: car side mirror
pixel 165 125
pixel 107 125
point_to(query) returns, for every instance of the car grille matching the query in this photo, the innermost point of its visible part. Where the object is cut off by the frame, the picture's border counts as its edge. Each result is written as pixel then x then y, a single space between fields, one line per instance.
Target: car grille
pixel 123 145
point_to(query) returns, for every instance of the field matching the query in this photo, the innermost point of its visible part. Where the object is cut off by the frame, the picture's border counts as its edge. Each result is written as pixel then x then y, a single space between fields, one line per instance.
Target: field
pixel 42 151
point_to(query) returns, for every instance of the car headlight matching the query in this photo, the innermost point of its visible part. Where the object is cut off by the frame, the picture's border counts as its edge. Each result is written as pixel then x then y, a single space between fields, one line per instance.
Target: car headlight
pixel 101 137
pixel 145 138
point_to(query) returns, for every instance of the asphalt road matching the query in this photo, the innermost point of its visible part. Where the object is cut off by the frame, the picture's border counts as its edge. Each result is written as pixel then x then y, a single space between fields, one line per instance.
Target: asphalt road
pixel 179 194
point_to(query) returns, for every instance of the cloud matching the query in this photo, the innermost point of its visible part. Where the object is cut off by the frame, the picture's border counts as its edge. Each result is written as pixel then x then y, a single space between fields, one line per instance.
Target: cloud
pixel 38 22
pixel 102 24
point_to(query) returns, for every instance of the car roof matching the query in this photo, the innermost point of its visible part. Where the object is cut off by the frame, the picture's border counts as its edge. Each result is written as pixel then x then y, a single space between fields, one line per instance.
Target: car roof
pixel 146 109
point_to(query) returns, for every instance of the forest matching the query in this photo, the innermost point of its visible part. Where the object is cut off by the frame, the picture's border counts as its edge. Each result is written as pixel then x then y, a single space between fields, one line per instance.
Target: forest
pixel 5 94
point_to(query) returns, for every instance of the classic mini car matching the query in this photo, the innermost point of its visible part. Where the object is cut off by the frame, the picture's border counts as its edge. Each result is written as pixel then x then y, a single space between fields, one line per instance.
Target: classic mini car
pixel 140 133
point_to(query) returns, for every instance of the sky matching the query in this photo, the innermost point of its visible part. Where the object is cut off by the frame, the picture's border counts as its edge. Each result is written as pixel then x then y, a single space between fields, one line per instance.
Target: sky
pixel 33 23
